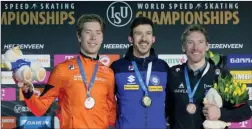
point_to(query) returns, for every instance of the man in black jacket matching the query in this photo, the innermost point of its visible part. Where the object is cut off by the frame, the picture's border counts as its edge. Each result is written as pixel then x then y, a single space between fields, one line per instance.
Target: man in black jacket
pixel 189 83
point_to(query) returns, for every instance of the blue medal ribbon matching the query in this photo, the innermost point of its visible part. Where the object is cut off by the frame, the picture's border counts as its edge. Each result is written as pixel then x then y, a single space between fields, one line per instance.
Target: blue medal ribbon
pixel 188 86
pixel 89 87
pixel 143 86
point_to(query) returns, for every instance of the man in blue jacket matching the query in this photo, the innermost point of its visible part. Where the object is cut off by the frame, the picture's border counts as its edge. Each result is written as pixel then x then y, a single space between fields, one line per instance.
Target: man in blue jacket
pixel 140 79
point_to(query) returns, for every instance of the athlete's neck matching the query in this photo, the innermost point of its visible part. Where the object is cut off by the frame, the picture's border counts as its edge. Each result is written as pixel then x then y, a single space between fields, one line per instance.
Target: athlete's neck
pixel 89 55
pixel 138 55
pixel 196 66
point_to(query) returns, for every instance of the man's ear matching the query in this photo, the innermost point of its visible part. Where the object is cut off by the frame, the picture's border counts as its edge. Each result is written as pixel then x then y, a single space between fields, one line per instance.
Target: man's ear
pixel 130 39
pixel 207 48
pixel 153 39
pixel 183 48
pixel 78 36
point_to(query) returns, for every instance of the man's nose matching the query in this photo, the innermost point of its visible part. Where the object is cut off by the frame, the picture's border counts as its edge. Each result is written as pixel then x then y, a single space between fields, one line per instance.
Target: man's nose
pixel 143 37
pixel 93 36
pixel 196 45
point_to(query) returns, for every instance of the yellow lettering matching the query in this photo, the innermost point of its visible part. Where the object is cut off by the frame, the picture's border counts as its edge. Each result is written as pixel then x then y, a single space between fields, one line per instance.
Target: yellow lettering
pixel 235 15
pixel 228 16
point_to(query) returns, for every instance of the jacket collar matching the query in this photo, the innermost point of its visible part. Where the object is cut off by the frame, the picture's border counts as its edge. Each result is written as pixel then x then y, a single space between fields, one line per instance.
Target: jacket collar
pixel 129 56
pixel 198 71
pixel 88 57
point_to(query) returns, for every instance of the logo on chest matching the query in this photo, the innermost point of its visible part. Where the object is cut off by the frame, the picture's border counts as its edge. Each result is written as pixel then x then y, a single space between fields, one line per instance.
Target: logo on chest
pixel 131 83
pixel 181 89
pixel 131 79
pixel 79 78
pixel 154 80
pixel 207 86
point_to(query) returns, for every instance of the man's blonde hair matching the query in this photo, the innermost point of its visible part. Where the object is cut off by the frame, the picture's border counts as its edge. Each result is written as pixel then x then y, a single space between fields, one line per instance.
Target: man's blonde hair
pixel 89 18
pixel 193 28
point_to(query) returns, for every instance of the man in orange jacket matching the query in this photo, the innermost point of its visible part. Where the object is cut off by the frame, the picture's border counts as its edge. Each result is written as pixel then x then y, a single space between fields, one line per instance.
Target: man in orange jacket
pixel 84 86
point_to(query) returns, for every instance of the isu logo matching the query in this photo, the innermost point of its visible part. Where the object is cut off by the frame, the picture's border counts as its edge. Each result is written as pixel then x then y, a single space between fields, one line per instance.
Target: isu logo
pixel 119 13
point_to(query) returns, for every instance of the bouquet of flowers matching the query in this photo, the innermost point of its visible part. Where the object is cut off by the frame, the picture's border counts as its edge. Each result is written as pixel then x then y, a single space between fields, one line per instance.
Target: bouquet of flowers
pixel 231 90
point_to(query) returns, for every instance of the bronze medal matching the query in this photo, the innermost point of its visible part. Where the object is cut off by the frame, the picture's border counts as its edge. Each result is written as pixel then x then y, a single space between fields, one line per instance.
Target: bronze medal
pixel 191 108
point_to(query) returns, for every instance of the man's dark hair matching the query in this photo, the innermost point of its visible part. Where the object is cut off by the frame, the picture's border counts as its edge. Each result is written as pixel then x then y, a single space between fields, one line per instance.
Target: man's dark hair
pixel 140 21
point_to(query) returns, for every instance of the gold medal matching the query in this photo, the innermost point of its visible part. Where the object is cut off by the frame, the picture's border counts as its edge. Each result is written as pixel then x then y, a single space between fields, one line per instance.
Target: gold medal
pixel 191 108
pixel 146 101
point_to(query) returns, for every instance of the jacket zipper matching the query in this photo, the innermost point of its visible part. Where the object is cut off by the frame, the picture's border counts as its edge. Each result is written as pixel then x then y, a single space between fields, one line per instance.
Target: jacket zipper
pixel 144 63
pixel 145 108
pixel 145 117
pixel 72 122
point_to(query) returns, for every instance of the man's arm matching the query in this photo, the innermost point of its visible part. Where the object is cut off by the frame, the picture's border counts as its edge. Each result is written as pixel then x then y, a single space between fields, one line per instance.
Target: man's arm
pixel 40 105
pixel 237 114
pixel 169 98
pixel 111 101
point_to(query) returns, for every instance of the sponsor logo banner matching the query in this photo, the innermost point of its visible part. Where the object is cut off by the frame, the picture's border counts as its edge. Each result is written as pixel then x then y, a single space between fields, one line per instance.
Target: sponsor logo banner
pixel 240 60
pixel 244 124
pixel 8 94
pixel 24 46
pixel 35 122
pixel 173 59
pixel 116 46
pixel 243 76
pixel 226 46
pixel 44 59
pixel 7 78
pixel 8 122
pixel 62 57
pixel 56 123
pixel 21 109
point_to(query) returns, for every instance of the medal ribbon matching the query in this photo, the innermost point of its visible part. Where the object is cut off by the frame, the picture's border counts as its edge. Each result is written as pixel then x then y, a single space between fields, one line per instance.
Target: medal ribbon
pixel 89 87
pixel 143 86
pixel 188 86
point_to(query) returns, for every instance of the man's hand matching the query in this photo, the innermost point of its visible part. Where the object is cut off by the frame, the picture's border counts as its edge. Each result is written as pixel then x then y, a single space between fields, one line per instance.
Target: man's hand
pixel 25 87
pixel 211 112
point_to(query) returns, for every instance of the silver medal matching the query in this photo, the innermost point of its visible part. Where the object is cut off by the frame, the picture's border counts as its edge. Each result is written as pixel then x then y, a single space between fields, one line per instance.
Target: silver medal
pixel 89 103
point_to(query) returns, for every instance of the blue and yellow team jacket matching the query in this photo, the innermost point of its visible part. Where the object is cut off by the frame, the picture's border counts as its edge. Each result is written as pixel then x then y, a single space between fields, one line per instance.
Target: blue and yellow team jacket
pixel 131 113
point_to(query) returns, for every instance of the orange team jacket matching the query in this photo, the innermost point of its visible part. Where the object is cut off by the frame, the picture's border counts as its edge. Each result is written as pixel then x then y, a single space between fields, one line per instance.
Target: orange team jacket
pixel 65 82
